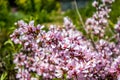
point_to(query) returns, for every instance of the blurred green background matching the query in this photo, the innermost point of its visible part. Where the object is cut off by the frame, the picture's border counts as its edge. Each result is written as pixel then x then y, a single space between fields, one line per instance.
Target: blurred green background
pixel 44 12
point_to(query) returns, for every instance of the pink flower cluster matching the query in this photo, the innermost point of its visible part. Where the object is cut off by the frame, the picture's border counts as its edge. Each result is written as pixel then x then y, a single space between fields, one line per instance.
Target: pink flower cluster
pixel 117 27
pixel 98 22
pixel 64 52
pixel 51 54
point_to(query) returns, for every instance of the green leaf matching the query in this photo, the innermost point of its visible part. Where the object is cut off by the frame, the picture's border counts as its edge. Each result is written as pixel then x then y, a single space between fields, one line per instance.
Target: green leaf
pixel 111 23
pixel 9 42
pixel 4 76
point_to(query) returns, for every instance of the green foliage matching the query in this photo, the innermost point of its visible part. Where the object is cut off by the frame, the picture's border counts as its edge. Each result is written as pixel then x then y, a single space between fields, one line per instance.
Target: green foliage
pixel 3 5
pixel 3 76
pixel 26 10
pixel 37 5
pixel 115 13
pixel 42 17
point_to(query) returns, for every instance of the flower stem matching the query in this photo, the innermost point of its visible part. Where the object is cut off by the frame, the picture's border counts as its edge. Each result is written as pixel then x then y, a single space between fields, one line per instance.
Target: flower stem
pixel 83 25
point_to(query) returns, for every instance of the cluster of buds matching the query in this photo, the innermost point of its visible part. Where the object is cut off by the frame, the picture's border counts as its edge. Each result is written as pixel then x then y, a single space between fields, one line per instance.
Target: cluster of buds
pixel 98 22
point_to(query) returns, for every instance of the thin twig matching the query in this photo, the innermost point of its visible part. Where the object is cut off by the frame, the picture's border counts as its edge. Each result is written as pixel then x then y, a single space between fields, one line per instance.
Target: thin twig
pixel 79 15
pixel 83 25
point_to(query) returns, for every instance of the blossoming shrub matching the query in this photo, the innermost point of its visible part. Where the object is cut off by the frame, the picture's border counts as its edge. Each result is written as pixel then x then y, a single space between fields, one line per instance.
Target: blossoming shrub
pixel 65 53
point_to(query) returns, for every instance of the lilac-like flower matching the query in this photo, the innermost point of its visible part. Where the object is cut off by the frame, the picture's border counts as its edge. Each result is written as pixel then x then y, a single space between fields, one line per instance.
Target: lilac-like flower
pixel 66 52
pixel 117 27
pixel 98 22
pixel 115 68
